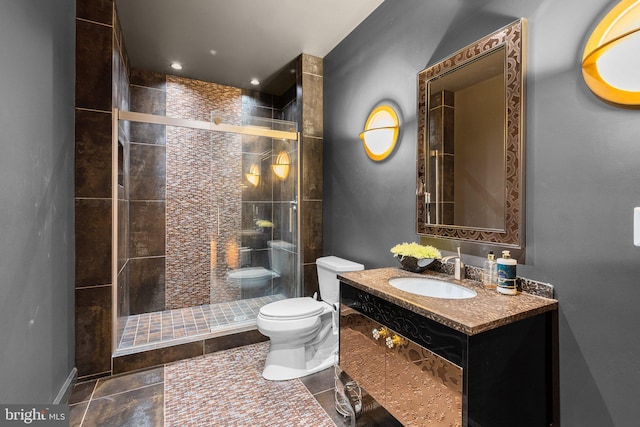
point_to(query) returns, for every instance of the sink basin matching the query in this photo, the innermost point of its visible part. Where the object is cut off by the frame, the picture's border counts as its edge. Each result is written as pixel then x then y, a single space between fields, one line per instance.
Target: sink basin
pixel 432 288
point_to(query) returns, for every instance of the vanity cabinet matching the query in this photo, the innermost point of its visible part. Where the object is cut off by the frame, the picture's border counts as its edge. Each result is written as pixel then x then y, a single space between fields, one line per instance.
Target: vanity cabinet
pixel 426 373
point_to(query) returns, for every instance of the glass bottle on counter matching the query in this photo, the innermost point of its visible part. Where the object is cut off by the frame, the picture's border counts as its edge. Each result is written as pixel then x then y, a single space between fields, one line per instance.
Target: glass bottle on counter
pixel 490 272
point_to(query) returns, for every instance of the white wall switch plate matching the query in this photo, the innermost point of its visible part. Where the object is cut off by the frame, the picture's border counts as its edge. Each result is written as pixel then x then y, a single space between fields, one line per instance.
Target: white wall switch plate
pixel 636 226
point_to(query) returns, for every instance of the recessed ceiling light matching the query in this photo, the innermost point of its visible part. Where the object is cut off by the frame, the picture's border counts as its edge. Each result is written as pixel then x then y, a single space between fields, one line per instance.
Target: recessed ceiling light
pixel 213 52
pixel 255 82
pixel 176 66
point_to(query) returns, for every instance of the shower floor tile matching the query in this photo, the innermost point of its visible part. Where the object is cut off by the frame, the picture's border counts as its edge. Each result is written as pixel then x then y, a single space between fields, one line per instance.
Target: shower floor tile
pixel 164 326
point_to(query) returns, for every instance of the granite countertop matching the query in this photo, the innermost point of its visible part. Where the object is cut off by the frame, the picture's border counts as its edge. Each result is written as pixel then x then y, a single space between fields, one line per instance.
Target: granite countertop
pixel 488 310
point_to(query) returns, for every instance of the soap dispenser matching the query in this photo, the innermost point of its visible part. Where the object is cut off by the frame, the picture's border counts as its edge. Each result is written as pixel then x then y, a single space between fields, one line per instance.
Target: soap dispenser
pixel 506 267
pixel 490 272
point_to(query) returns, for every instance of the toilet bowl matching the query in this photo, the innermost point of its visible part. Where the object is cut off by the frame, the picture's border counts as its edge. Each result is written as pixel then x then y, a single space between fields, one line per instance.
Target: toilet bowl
pixel 251 277
pixel 303 331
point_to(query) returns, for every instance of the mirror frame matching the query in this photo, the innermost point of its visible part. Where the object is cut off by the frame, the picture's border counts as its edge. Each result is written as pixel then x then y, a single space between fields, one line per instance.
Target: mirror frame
pixel 513 38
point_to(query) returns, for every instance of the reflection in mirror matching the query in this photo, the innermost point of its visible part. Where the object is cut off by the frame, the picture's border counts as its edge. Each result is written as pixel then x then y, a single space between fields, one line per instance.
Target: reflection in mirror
pixel 466 145
pixel 470 147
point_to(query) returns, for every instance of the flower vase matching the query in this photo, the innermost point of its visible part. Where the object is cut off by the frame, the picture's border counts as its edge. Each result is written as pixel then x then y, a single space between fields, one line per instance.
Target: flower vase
pixel 413 264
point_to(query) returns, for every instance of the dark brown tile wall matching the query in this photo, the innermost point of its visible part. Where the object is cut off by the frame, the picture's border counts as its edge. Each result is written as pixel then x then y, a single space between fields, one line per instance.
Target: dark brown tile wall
pixel 146 228
pixel 310 279
pixel 147 191
pixel 145 359
pixel 93 242
pixel 310 87
pixel 101 83
pixel 93 65
pixel 148 95
pixel 147 172
pixel 120 61
pixel 93 154
pixel 312 172
pixel 93 330
pixel 258 104
pixel 149 79
pixel 226 342
pixel 312 230
pixel 97 11
pixel 157 357
pixel 146 285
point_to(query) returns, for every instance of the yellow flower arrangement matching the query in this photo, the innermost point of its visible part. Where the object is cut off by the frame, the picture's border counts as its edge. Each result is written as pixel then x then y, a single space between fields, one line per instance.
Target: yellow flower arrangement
pixel 415 250
pixel 264 223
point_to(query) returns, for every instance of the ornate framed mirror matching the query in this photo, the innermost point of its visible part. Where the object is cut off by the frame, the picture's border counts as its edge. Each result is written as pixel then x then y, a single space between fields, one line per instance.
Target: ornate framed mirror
pixel 470 162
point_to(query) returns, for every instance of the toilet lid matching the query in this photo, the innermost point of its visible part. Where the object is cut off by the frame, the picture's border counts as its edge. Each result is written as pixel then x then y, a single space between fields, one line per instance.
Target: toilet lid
pixel 292 308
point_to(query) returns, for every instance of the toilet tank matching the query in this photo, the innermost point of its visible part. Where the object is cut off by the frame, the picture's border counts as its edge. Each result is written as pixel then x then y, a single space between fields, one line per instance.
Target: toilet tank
pixel 280 255
pixel 328 269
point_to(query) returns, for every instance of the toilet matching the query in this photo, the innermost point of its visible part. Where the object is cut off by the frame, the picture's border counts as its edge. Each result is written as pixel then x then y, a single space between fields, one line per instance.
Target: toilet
pixel 303 331
pixel 249 278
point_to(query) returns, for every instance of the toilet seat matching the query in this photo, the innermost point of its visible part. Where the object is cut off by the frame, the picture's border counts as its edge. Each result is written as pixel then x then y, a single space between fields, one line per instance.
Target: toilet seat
pixel 251 273
pixel 292 309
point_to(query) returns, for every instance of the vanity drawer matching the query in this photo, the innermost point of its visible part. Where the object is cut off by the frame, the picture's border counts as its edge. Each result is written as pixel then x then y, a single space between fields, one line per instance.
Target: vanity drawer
pixel 415 385
pixel 440 339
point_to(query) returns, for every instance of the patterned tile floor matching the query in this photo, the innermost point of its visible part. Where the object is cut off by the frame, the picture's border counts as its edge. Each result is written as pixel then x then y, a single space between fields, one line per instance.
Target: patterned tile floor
pixel 152 329
pixel 219 389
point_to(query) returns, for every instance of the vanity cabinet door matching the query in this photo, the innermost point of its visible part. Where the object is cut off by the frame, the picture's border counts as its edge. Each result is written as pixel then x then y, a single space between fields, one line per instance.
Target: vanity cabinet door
pixel 422 388
pixel 362 356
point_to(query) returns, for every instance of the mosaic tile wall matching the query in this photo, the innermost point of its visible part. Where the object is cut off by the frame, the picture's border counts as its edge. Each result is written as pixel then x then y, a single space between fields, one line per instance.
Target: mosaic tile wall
pixel 203 211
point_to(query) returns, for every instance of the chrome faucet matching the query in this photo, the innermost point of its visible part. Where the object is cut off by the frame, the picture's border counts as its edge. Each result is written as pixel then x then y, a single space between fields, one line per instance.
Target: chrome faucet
pixel 458 265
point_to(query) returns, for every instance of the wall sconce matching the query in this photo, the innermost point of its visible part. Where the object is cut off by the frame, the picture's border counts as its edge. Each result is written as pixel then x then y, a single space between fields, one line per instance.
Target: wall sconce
pixel 254 175
pixel 610 61
pixel 380 132
pixel 281 166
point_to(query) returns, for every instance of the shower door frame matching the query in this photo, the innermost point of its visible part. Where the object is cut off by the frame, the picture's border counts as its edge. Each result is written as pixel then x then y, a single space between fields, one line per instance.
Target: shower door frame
pixel 214 126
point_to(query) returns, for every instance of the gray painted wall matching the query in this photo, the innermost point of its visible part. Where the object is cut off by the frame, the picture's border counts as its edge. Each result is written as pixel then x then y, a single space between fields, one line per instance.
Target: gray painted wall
pixel 582 177
pixel 36 198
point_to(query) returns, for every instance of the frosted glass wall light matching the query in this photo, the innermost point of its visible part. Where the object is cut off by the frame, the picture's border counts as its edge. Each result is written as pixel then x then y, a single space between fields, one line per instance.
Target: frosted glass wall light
pixel 281 165
pixel 254 175
pixel 610 62
pixel 380 132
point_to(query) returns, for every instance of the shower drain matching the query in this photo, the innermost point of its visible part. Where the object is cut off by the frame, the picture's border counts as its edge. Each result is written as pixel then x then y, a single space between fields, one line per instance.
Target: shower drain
pixel 239 318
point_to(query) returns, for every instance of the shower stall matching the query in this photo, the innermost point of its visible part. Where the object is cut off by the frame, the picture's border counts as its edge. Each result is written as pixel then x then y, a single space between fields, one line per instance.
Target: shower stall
pixel 205 227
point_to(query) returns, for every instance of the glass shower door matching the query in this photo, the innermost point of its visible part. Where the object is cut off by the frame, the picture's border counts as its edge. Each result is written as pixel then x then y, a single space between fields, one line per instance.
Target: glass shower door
pixel 255 257
pixel 206 230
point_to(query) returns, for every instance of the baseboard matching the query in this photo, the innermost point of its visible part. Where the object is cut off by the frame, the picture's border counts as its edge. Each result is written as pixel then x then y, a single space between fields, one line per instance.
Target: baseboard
pixel 65 390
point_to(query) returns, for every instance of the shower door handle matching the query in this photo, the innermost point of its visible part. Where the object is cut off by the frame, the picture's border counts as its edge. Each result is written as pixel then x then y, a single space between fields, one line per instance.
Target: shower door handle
pixel 293 207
